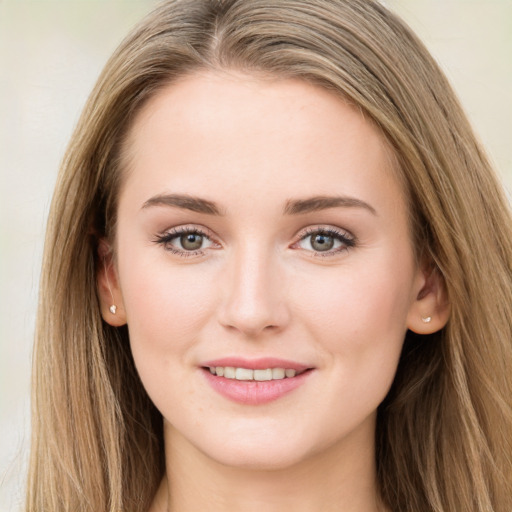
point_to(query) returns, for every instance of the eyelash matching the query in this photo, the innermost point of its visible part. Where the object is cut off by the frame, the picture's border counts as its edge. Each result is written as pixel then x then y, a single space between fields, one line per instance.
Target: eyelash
pixel 347 240
pixel 166 238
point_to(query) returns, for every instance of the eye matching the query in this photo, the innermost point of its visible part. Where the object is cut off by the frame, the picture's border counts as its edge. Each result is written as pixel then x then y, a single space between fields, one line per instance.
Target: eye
pixel 326 241
pixel 191 241
pixel 185 241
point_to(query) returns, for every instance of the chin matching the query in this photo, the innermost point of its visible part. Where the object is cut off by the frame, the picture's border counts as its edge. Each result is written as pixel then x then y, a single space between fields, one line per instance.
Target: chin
pixel 273 452
pixel 244 444
pixel 252 459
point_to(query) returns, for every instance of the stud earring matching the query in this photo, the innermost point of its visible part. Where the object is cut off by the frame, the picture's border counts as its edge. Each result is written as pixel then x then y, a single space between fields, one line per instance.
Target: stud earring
pixel 426 319
pixel 112 308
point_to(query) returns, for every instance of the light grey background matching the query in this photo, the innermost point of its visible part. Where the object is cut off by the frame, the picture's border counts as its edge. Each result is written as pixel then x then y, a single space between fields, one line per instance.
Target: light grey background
pixel 50 55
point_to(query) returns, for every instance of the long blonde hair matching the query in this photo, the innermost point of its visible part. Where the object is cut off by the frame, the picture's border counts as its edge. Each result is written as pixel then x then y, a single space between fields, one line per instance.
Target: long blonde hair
pixel 444 432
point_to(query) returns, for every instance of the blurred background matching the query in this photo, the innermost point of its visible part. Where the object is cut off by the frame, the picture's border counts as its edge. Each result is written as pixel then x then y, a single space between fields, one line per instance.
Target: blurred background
pixel 51 53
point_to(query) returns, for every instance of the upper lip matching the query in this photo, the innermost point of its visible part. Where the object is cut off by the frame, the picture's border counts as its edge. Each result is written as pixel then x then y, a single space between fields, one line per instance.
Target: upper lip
pixel 261 363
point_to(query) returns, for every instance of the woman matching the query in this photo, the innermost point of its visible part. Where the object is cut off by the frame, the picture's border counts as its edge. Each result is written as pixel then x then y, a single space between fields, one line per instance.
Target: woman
pixel 277 272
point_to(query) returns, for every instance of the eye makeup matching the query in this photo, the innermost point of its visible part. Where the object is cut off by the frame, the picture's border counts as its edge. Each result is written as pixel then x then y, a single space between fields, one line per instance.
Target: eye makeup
pixel 320 241
pixel 325 241
pixel 186 241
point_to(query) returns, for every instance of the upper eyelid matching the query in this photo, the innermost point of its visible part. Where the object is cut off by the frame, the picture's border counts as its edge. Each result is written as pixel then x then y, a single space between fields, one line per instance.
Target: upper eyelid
pixel 325 228
pixel 169 234
pixel 179 230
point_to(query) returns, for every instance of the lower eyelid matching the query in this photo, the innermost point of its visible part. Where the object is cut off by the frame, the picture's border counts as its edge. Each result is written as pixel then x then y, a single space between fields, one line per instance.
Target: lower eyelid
pixel 332 253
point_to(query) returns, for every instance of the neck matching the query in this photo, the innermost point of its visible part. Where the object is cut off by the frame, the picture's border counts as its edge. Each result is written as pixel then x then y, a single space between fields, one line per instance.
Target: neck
pixel 341 478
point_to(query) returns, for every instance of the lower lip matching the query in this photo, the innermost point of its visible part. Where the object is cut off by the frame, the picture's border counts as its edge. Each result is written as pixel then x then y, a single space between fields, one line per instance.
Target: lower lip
pixel 254 392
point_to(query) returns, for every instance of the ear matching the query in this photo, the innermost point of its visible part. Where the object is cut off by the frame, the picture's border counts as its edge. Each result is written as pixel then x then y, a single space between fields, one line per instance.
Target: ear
pixel 109 291
pixel 430 310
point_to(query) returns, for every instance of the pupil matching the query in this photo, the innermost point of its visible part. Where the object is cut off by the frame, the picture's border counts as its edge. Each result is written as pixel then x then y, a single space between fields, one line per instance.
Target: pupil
pixel 191 241
pixel 322 242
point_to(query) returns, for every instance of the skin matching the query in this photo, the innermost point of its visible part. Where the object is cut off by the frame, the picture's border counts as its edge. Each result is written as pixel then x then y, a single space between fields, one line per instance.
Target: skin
pixel 258 287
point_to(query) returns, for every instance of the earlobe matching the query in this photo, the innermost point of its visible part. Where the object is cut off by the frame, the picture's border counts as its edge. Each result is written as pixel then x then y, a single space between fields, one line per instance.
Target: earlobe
pixel 112 308
pixel 430 310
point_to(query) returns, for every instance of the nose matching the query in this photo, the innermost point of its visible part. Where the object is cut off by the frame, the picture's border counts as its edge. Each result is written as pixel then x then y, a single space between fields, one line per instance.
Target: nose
pixel 254 295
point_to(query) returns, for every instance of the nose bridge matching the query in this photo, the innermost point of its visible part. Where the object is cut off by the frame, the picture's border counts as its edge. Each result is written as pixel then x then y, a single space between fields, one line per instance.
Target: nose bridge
pixel 254 301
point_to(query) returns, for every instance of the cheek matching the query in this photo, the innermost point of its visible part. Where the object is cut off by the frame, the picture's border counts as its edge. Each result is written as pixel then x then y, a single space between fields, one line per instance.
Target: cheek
pixel 359 315
pixel 358 323
pixel 351 299
pixel 166 306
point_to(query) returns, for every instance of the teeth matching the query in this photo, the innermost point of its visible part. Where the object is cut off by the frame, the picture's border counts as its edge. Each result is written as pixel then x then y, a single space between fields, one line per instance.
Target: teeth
pixel 229 372
pixel 263 374
pixel 278 373
pixel 244 374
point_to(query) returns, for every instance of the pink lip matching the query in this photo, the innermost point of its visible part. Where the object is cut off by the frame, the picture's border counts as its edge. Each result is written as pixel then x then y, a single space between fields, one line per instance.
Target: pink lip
pixel 255 392
pixel 257 364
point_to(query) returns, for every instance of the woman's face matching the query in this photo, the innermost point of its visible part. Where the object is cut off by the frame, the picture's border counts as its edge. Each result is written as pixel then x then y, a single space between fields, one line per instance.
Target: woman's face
pixel 261 230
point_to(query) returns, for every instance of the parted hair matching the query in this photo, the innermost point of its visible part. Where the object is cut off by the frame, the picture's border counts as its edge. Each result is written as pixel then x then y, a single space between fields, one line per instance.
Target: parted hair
pixel 444 432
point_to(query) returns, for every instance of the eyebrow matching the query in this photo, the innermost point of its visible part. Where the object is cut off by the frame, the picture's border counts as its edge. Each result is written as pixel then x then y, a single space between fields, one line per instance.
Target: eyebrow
pixel 195 204
pixel 313 204
pixel 292 207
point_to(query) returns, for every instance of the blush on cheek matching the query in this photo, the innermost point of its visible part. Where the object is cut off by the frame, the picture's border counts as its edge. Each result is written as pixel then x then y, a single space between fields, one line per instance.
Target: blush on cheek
pixel 367 311
pixel 164 305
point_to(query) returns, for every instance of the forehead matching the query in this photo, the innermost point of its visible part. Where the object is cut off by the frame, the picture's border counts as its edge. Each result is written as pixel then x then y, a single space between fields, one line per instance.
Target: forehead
pixel 221 132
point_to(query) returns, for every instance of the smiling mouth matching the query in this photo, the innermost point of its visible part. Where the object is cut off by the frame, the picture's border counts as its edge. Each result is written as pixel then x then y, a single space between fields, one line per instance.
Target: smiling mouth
pixel 265 382
pixel 247 374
